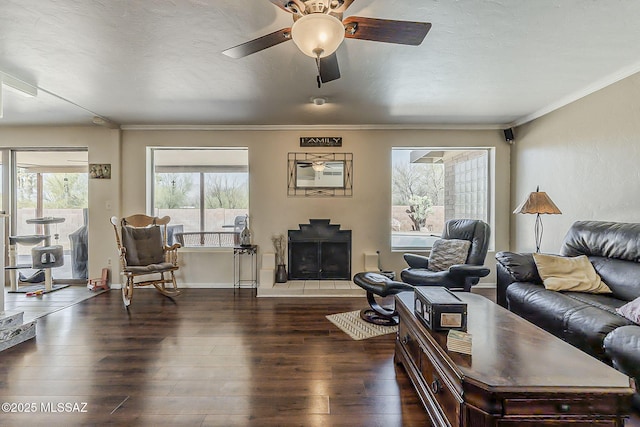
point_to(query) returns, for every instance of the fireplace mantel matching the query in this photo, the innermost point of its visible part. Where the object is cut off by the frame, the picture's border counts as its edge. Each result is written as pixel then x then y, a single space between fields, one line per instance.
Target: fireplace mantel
pixel 319 251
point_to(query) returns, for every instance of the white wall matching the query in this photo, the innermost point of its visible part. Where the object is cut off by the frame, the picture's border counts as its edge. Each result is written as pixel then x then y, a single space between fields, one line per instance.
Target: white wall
pixel 367 213
pixel 586 156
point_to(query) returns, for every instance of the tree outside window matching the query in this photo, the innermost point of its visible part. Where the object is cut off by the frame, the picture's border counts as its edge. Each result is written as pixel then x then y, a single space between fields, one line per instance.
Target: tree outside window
pixel 431 186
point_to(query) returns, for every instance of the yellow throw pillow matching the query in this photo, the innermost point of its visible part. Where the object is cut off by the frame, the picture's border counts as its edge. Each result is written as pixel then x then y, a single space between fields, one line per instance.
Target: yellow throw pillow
pixel 569 274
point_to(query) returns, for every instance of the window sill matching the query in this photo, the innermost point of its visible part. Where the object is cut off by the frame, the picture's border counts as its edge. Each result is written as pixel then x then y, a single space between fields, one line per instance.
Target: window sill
pixel 414 250
pixel 213 249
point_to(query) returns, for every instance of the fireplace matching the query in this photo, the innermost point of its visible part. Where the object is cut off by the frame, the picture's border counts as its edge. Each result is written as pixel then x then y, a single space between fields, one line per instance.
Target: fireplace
pixel 319 251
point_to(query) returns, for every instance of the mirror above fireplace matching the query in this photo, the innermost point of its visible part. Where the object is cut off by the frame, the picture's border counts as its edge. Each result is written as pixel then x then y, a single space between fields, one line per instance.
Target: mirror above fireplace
pixel 320 174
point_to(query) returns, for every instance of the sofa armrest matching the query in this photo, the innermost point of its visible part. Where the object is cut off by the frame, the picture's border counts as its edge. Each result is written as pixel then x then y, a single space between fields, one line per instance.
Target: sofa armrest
pixel 514 267
pixel 416 261
pixel 521 266
pixel 622 347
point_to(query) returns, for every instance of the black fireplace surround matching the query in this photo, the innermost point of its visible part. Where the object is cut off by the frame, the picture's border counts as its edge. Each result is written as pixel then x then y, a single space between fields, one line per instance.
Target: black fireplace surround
pixel 319 251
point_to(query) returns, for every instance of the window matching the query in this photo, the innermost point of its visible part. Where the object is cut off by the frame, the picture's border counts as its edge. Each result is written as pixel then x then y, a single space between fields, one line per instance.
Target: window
pixel 433 185
pixel 205 191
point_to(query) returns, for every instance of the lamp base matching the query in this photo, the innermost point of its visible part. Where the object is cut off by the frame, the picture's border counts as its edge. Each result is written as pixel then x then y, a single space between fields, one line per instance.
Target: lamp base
pixel 538 232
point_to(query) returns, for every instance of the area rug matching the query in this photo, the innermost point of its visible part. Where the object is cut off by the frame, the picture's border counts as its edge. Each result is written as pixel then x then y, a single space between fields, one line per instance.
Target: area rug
pixel 35 288
pixel 351 324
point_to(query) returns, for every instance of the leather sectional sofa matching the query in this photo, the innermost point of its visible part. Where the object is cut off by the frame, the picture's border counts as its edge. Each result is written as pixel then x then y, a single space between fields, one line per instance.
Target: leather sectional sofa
pixel 587 321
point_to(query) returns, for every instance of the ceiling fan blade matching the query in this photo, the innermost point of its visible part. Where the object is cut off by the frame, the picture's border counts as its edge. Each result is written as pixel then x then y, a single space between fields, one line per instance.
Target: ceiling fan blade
pixel 329 69
pixel 261 43
pixel 386 30
pixel 291 6
pixel 341 8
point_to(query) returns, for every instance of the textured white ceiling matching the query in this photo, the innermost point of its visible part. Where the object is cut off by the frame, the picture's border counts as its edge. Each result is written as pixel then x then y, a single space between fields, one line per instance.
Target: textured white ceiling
pixel 159 62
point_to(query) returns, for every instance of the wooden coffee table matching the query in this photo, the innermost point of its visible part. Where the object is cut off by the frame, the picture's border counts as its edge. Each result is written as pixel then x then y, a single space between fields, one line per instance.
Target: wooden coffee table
pixel 517 374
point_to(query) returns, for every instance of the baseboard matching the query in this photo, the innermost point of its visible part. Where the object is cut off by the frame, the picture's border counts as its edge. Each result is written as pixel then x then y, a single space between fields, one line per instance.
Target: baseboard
pixel 190 286
pixel 485 286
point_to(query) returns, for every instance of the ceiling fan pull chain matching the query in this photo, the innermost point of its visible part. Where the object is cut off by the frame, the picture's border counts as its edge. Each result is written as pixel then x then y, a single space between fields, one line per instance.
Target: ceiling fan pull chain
pixel 318 79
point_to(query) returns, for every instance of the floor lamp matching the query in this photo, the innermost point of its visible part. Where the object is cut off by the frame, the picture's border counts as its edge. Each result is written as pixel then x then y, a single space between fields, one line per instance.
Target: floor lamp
pixel 537 203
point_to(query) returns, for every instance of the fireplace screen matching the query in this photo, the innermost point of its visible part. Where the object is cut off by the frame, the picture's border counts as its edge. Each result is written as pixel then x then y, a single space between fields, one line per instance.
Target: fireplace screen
pixel 319 251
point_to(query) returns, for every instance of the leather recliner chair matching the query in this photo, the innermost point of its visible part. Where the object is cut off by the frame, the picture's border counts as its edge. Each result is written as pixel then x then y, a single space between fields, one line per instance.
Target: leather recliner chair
pixel 459 276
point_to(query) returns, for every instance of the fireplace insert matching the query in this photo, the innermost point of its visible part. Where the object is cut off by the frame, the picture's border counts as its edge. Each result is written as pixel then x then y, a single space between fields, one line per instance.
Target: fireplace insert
pixel 319 251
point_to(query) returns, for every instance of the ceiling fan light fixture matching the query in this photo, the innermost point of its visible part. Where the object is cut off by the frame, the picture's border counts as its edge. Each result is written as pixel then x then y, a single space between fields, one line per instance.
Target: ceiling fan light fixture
pixel 317 35
pixel 318 166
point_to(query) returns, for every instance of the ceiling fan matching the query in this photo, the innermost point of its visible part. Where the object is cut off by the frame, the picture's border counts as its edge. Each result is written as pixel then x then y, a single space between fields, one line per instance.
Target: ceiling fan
pixel 318 165
pixel 318 30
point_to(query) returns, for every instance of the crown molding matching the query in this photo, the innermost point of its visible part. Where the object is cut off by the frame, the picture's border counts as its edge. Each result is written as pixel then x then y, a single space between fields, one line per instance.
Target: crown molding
pixel 588 90
pixel 314 127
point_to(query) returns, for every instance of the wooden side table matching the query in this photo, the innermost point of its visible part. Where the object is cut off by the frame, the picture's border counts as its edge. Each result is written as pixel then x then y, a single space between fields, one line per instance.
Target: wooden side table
pixel 238 252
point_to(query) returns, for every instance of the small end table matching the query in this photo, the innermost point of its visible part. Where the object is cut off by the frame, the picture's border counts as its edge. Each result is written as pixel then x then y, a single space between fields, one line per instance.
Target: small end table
pixel 238 252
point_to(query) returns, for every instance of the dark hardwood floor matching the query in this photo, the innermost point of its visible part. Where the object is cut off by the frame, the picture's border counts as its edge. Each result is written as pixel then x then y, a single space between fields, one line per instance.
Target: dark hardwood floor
pixel 207 358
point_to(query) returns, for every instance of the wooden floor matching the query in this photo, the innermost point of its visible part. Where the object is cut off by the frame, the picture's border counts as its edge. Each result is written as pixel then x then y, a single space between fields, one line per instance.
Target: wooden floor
pixel 41 305
pixel 207 358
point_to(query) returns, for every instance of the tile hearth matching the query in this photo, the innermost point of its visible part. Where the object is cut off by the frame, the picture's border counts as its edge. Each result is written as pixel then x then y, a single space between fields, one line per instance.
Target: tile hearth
pixel 313 288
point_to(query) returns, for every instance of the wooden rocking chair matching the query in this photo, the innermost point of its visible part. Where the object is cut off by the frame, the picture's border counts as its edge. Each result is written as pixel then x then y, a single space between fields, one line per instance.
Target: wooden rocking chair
pixel 143 251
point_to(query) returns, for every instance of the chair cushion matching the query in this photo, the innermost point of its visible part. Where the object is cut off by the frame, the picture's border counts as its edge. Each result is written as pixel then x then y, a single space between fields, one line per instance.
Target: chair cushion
pixel 379 284
pixel 569 274
pixel 144 245
pixel 448 252
pixel 151 268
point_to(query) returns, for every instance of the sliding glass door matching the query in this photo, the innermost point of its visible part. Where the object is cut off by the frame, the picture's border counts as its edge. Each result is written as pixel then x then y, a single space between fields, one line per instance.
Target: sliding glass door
pixel 50 197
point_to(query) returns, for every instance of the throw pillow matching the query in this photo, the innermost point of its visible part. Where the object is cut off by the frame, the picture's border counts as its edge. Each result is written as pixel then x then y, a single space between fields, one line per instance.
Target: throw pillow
pixel 575 274
pixel 631 310
pixel 144 245
pixel 448 252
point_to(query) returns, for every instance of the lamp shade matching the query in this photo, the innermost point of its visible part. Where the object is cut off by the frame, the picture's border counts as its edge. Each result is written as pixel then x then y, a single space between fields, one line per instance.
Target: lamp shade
pixel 538 202
pixel 317 34
pixel 318 166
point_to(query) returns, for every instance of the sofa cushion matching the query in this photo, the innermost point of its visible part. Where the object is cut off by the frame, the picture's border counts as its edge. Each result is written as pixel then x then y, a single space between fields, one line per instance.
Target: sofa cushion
pixel 617 240
pixel 569 274
pixel 617 245
pixel 541 307
pixel 598 316
pixel 622 277
pixel 606 302
pixel 579 318
pixel 631 310
pixel 448 252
